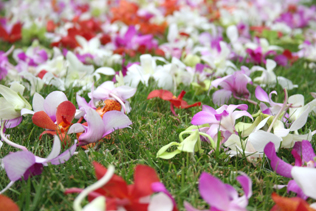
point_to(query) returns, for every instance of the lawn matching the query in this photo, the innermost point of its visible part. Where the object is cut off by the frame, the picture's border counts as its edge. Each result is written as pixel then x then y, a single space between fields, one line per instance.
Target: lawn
pixel 153 123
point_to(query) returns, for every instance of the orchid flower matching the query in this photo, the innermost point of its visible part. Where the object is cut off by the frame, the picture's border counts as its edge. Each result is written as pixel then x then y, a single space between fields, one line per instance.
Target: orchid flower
pixel 25 163
pixel 219 61
pixel 260 49
pixel 82 75
pixel 98 127
pixel 221 196
pixel 107 90
pixel 190 144
pixel 119 195
pixel 222 119
pixel 235 84
pixel 54 113
pixel 268 77
pixel 177 102
pixel 148 68
pixel 304 156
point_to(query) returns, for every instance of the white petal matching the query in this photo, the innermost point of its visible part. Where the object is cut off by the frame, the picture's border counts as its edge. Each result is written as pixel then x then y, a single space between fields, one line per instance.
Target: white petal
pixel 38 102
pixel 300 121
pixel 160 202
pixel 232 33
pixel 261 138
pixel 305 179
pixel 270 65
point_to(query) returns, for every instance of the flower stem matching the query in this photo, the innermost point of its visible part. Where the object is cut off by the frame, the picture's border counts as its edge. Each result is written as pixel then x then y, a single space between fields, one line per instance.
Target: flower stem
pixel 106 178
pixel 245 99
pixel 284 108
pixel 5 139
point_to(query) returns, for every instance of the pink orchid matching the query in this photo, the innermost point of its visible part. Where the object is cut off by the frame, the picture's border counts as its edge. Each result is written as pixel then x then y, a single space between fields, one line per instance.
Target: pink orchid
pixel 263 97
pixel 222 119
pixel 303 153
pixel 25 163
pixel 221 196
pixel 97 127
pixel 235 84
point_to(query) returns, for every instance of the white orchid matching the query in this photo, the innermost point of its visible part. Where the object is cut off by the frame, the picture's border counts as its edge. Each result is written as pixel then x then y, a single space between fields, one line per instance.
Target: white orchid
pixel 148 68
pixel 268 77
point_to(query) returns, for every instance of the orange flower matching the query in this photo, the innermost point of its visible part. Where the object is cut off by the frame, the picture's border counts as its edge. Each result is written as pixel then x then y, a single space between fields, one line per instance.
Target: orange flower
pixel 289 204
pixel 177 102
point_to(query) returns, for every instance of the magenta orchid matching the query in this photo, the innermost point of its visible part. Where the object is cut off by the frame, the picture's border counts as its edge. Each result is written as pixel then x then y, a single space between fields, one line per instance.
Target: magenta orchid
pixel 221 196
pixel 235 84
pixel 222 119
pixel 303 153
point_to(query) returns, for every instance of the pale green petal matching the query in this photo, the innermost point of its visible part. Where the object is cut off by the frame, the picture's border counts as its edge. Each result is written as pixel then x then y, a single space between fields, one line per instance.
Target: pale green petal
pixel 17 87
pixel 7 111
pixel 168 155
pixel 188 144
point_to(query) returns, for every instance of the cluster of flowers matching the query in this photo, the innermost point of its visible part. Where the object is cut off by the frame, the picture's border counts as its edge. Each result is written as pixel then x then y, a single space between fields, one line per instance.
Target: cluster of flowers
pixel 204 40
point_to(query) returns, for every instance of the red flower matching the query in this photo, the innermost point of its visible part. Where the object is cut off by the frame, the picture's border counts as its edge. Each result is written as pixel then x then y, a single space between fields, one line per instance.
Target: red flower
pixel 177 102
pixel 7 204
pixel 119 194
pixel 289 204
pixel 64 116
pixel 12 36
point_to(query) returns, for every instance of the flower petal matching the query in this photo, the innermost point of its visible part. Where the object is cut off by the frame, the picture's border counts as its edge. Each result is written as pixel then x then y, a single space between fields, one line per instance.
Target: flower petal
pixel 113 120
pixel 55 150
pixel 261 94
pixel 246 184
pixel 213 191
pixel 305 179
pixel 17 163
pixel 144 177
pixel 160 202
pixel 261 138
pixel 51 103
pixel 293 187
pixel 163 94
pixel 7 204
pixel 38 102
pixel 63 157
pixel 95 130
pixel 42 120
pixel 65 113
pixel 277 164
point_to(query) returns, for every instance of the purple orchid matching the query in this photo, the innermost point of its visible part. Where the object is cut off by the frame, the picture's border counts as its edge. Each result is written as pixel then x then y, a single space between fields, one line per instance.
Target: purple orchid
pixel 25 163
pixel 99 127
pixel 303 153
pixel 235 85
pixel 131 40
pixel 221 196
pixel 222 119
pixel 264 97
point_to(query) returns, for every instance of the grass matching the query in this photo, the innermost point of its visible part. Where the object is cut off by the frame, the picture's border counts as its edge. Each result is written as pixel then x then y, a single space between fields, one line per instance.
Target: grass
pixel 153 127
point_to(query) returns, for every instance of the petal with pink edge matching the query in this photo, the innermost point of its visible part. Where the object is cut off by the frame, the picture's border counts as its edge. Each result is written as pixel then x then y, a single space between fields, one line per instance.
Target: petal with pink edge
pixel 261 94
pixel 63 157
pixel 221 97
pixel 245 183
pixel 95 130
